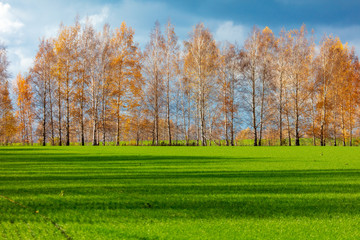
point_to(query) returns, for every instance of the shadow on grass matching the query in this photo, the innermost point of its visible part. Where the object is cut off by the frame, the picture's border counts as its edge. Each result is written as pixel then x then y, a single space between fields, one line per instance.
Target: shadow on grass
pixel 64 158
pixel 182 190
pixel 267 200
pixel 22 149
pixel 198 202
pixel 137 172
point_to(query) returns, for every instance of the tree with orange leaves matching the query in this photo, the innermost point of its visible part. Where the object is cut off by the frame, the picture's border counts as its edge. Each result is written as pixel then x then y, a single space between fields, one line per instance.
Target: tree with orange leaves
pixel 201 63
pixel 328 64
pixel 7 119
pixel 87 83
pixel 25 109
pixel 65 48
pixel 43 87
pixel 106 54
pixel 299 87
pixel 267 48
pixel 126 78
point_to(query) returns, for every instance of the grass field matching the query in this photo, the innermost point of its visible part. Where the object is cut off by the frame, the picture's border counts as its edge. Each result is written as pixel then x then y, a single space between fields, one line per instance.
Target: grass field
pixel 180 193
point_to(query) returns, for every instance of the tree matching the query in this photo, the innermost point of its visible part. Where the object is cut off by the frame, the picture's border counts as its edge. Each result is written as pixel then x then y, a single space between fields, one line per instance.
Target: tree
pixel 154 74
pixel 299 76
pixel 228 82
pixel 326 67
pixel 82 76
pixel 250 85
pixel 171 52
pixel 126 74
pixel 201 62
pixel 351 95
pixel 106 52
pixel 97 86
pixel 65 47
pixel 8 122
pixel 95 70
pixel 25 109
pixel 281 75
pixel 42 85
pixel 7 119
pixel 266 75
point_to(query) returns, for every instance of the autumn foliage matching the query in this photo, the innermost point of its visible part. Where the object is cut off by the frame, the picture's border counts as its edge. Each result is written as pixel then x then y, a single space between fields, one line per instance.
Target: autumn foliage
pixel 100 87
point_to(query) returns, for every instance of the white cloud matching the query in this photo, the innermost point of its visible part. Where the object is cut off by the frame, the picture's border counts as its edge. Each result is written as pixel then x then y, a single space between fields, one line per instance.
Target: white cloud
pixel 8 22
pixel 97 19
pixel 24 61
pixel 228 31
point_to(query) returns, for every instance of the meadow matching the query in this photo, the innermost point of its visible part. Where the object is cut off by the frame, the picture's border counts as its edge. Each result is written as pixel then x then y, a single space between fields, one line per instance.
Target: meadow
pixel 179 192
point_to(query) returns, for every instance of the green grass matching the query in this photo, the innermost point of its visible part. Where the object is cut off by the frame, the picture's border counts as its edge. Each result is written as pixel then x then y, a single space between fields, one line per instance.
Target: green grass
pixel 180 192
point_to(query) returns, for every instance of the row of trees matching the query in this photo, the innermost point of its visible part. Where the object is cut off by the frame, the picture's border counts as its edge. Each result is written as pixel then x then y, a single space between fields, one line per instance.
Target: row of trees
pixel 7 118
pixel 293 90
pixel 90 86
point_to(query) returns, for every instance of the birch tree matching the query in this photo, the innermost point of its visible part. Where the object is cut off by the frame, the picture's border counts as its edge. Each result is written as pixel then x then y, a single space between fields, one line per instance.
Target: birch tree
pixel 7 119
pixel 250 83
pixel 24 113
pixel 154 74
pixel 126 74
pixel 65 49
pixel 302 51
pixel 171 52
pixel 201 62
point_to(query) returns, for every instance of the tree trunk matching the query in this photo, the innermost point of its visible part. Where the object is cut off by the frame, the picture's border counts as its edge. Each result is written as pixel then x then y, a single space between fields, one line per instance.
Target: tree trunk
pixel 289 130
pixel 118 123
pixel 60 117
pixel 232 112
pixel 168 107
pixel 156 117
pixel 67 110
pixel 44 117
pixel 280 110
pixel 254 107
pixel 225 118
pixel 94 113
pixel 203 124
pixel 82 122
pixel 104 123
pixel 343 125
pixel 323 116
pixel 51 117
pixel 188 120
pixel 297 134
pixel 350 123
pixel 262 107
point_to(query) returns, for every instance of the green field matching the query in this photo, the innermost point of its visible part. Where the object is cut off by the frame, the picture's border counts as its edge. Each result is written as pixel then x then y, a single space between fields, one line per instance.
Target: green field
pixel 180 192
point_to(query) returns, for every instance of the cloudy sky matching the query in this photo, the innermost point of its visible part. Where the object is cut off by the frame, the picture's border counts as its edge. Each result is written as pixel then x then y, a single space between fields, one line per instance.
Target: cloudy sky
pixel 24 22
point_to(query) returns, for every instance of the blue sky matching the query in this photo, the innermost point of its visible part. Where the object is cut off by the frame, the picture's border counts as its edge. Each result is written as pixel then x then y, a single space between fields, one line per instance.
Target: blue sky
pixel 24 22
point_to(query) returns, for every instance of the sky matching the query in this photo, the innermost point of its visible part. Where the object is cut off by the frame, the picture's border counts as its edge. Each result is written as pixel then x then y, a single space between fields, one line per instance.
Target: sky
pixel 24 22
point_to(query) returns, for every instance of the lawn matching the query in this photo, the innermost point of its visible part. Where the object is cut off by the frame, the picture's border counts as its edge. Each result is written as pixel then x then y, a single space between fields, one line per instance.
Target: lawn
pixel 179 192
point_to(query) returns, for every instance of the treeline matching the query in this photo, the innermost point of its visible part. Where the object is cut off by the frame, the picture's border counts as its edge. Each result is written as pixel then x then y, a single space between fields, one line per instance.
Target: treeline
pixel 100 87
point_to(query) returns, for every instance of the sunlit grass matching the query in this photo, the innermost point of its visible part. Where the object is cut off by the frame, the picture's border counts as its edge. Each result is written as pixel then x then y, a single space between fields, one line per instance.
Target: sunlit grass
pixel 180 192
